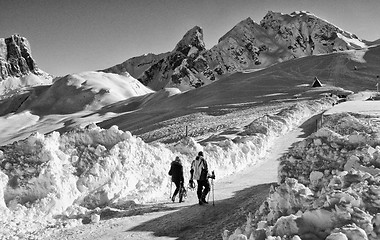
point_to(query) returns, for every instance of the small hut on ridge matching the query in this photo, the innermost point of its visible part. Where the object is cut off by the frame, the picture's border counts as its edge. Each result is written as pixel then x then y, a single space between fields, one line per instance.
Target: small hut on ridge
pixel 316 83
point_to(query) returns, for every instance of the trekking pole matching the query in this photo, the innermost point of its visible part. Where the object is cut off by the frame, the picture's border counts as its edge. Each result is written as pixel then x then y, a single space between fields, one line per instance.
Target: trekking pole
pixel 213 195
pixel 208 195
pixel 170 194
pixel 212 185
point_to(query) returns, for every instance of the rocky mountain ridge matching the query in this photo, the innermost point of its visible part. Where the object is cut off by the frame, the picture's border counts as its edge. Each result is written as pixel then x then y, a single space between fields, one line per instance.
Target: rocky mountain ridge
pixel 248 45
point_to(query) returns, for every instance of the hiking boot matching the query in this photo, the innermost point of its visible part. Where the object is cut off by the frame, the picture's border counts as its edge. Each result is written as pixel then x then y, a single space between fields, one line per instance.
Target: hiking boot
pixel 204 201
pixel 200 202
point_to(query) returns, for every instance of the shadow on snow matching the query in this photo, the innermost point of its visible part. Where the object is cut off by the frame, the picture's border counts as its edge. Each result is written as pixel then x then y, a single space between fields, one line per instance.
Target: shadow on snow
pixel 208 221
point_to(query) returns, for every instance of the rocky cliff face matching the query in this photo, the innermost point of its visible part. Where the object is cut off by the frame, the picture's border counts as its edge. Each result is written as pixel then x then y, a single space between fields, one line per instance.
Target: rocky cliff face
pixel 248 45
pixel 17 66
pixel 16 58
pixel 181 68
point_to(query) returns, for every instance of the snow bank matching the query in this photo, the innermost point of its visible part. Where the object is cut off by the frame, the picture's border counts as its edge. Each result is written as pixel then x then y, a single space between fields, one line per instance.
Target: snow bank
pixel 329 185
pixel 53 175
pixel 371 108
pixel 229 156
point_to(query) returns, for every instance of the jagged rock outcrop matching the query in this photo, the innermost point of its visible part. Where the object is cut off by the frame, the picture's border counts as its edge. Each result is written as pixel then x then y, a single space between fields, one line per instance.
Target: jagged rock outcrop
pixel 238 49
pixel 16 58
pixel 248 45
pixel 176 68
pixel 182 66
pixel 17 66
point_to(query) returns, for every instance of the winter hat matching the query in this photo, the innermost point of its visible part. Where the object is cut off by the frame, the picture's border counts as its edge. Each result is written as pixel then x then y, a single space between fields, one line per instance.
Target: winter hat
pixel 200 153
pixel 177 159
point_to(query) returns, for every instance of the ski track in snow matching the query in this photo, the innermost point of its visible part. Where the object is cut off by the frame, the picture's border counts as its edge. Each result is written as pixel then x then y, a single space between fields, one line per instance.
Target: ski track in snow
pixel 188 220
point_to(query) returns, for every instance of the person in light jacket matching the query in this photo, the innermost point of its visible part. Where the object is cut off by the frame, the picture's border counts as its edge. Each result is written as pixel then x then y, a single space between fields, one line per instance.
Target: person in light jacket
pixel 199 172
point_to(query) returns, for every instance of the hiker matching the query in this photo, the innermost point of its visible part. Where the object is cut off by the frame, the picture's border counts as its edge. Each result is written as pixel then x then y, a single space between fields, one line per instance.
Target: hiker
pixel 199 172
pixel 176 171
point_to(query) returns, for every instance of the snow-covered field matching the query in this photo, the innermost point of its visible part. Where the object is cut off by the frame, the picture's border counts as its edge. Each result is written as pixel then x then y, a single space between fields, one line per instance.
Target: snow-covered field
pixel 57 180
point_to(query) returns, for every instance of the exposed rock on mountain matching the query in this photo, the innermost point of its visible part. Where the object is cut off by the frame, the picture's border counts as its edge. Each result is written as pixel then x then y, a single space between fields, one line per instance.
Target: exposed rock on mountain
pixel 305 34
pixel 17 66
pixel 237 49
pixel 179 68
pixel 248 45
pixel 136 65
pixel 16 58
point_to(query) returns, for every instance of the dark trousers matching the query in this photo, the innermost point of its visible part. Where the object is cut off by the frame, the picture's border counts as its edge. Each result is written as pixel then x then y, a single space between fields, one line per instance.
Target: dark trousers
pixel 177 187
pixel 202 193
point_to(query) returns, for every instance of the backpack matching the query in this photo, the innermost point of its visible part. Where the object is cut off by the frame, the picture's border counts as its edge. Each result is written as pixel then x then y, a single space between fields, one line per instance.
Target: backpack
pixel 203 175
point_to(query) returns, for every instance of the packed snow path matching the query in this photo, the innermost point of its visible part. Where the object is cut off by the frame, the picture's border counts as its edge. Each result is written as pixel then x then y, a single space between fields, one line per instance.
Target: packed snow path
pixel 235 196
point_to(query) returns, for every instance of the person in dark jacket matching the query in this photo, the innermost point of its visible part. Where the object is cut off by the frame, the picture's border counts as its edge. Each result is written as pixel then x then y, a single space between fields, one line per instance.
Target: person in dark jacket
pixel 176 171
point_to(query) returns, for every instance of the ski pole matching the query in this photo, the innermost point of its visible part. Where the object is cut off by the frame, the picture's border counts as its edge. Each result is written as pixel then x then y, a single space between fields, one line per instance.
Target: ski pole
pixel 170 194
pixel 213 195
pixel 212 185
pixel 208 195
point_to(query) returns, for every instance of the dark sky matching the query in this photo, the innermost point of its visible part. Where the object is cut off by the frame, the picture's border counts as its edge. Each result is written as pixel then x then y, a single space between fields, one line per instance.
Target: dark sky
pixel 82 35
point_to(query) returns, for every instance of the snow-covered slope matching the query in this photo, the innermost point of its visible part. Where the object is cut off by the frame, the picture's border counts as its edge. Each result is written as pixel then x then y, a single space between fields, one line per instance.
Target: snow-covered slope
pixel 355 70
pixel 90 90
pixel 370 43
pixel 76 92
pixel 69 101
pixel 137 65
pixel 285 82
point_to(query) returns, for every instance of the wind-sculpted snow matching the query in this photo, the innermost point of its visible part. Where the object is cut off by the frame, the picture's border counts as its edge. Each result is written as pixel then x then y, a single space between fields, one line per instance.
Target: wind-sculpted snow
pixel 70 174
pixel 329 186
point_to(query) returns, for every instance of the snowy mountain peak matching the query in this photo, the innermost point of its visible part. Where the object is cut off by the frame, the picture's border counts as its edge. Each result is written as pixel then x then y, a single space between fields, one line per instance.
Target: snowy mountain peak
pixel 295 14
pixel 307 26
pixel 191 41
pixel 240 29
pixel 300 12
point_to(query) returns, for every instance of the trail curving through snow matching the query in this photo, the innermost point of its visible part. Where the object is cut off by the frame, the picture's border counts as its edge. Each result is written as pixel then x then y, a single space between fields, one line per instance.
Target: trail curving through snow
pixel 234 197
